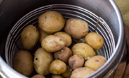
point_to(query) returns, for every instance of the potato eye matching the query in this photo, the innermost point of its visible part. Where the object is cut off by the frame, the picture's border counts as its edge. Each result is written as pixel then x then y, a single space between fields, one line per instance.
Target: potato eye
pixel 36 59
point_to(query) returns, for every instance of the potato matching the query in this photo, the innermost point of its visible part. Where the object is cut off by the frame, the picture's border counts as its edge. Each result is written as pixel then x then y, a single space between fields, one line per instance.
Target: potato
pixel 57 67
pixel 23 62
pixel 51 21
pixel 42 61
pixel 42 35
pixel 38 76
pixel 56 76
pixel 76 61
pixel 29 37
pixel 66 36
pixel 94 40
pixel 84 50
pixel 63 54
pixel 53 43
pixel 67 73
pixel 77 28
pixel 95 62
pixel 82 72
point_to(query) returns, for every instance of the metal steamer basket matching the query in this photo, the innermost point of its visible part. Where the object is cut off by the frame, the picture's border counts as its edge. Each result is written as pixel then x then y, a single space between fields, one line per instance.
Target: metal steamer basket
pixel 110 27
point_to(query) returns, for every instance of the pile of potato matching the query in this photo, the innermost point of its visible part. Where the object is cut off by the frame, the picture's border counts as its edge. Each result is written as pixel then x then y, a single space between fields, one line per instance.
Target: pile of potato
pixel 55 57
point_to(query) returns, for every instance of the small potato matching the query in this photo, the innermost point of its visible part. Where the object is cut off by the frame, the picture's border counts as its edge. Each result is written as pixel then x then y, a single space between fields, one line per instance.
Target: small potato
pixel 63 54
pixel 57 67
pixel 66 36
pixel 42 61
pixel 29 37
pixel 94 40
pixel 51 21
pixel 38 76
pixel 76 61
pixel 95 62
pixel 67 73
pixel 42 35
pixel 23 62
pixel 84 50
pixel 82 72
pixel 77 28
pixel 56 76
pixel 53 43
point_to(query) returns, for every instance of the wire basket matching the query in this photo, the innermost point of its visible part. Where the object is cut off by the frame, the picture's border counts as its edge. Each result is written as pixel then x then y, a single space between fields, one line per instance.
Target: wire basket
pixel 13 42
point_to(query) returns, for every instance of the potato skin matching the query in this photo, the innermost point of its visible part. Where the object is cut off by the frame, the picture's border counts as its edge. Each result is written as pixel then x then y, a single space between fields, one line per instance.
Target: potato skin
pixel 82 72
pixel 66 36
pixel 42 61
pixel 95 40
pixel 95 62
pixel 77 28
pixel 67 73
pixel 63 54
pixel 56 76
pixel 38 76
pixel 23 62
pixel 51 21
pixel 57 67
pixel 53 43
pixel 84 50
pixel 29 37
pixel 76 61
pixel 42 35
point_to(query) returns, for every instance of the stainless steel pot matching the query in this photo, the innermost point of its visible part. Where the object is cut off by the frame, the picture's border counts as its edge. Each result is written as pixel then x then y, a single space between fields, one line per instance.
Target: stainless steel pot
pixel 11 12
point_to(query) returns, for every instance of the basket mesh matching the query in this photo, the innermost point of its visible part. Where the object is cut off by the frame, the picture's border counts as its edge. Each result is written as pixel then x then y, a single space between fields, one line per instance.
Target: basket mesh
pixel 13 43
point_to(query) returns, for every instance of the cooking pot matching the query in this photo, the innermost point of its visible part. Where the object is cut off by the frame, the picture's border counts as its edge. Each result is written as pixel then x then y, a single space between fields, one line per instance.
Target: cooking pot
pixel 13 12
